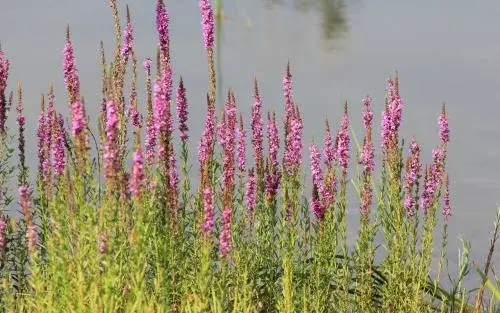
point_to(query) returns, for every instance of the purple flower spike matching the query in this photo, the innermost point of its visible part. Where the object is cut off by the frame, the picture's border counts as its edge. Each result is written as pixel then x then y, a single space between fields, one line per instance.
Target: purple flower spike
pixel 138 176
pixel 58 149
pixel 412 176
pixel 162 22
pixel 147 65
pixel 287 93
pixel 317 206
pixel 4 73
pixel 329 148
pixel 368 113
pixel 32 237
pixel 79 123
pixel 111 150
pixel 241 136
pixel 317 173
pixel 205 146
pixel 257 128
pixel 3 226
pixel 293 152
pixel 273 174
pixel 71 78
pixel 208 212
pixel 444 130
pixel 225 236
pixel 207 22
pixel 344 140
pixel 128 41
pixel 182 111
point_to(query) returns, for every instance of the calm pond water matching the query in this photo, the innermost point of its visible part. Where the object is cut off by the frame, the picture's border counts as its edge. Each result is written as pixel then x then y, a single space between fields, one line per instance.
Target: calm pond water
pixel 339 51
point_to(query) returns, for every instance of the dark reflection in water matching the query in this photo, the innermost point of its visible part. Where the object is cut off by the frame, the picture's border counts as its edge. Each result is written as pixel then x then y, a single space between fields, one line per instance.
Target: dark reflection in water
pixel 333 14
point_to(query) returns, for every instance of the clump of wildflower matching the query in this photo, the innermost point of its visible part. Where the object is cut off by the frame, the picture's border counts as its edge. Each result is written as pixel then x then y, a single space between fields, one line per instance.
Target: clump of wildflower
pixel 182 111
pixel 207 22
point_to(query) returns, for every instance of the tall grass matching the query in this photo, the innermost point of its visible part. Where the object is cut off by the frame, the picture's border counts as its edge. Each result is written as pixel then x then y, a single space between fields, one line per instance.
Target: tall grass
pixel 243 236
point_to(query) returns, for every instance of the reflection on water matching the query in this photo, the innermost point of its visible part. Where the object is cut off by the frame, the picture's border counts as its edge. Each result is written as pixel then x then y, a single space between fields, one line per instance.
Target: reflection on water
pixel 333 14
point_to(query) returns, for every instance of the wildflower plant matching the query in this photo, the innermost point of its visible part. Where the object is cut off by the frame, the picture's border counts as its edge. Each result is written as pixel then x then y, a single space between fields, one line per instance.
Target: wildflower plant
pixel 244 235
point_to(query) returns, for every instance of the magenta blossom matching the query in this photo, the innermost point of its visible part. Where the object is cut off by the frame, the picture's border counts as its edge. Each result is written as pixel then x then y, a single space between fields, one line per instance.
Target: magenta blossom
pixel 205 146
pixel 138 176
pixel 111 163
pixel 287 93
pixel 207 22
pixel 316 171
pixel 4 74
pixel 147 64
pixel 162 21
pixel 293 147
pixel 71 78
pixel 3 226
pixel 182 112
pixel 225 236
pixel 128 41
pixel 444 130
pixel 79 122
pixel 241 136
pixel 58 149
pixel 329 148
pixel 257 127
pixel 343 143
pixel 208 212
pixel 317 207
pixel 32 237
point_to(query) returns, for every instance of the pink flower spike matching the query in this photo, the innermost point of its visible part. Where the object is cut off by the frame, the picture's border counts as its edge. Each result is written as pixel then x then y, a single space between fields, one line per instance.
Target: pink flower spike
pixel 207 22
